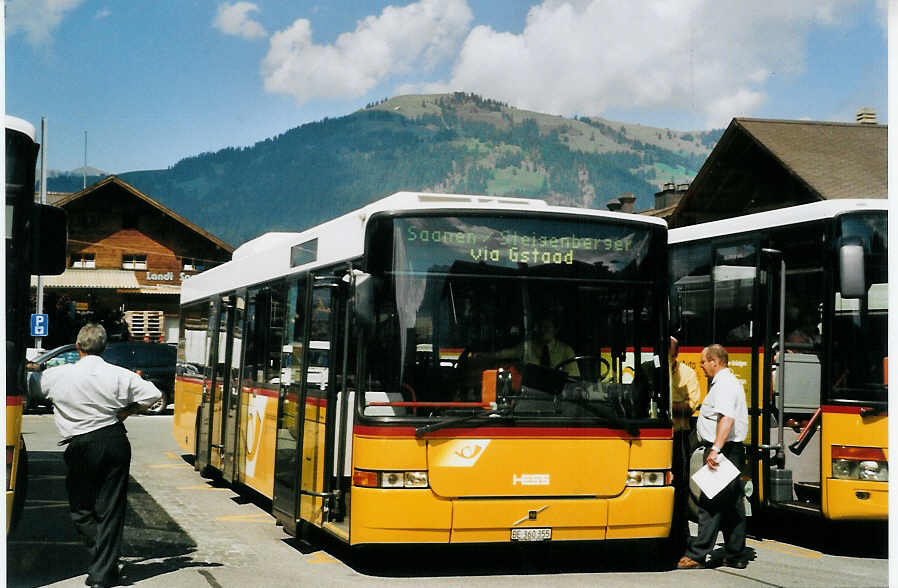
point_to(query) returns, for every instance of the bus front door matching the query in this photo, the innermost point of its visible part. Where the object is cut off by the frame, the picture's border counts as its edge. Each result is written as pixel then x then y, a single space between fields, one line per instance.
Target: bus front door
pixel 318 395
pixel 231 380
pixel 291 408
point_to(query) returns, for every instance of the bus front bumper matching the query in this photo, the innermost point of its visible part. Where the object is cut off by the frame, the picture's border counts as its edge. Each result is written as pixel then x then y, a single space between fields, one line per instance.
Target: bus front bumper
pixel 419 516
pixel 857 499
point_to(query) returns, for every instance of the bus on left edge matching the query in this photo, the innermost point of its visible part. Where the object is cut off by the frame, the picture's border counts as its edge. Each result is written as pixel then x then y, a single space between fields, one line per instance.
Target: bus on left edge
pixel 36 237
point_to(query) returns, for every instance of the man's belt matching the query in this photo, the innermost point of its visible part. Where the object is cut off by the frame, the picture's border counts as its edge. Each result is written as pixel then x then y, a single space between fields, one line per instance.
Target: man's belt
pixel 89 434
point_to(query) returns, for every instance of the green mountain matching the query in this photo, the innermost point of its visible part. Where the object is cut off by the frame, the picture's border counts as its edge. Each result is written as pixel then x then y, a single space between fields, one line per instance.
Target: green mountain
pixel 458 143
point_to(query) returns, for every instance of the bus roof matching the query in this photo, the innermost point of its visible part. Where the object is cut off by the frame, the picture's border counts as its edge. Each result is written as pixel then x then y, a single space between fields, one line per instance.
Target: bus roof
pixel 775 218
pixel 268 256
pixel 21 125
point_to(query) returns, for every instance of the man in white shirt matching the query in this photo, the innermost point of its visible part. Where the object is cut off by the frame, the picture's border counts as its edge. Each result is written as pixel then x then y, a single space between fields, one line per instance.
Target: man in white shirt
pixel 91 398
pixel 722 425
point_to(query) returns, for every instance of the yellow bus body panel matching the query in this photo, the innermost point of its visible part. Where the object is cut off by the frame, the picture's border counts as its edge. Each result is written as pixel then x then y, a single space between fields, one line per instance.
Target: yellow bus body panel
pixel 640 513
pixel 651 454
pixel 188 397
pixel 399 516
pixel 378 453
pixel 256 441
pixel 840 497
pixel 493 467
pixel 477 521
pixel 13 435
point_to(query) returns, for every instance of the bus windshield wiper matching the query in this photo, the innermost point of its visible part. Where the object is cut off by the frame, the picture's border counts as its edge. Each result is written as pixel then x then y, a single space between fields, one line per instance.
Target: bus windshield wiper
pixel 504 413
pixel 613 420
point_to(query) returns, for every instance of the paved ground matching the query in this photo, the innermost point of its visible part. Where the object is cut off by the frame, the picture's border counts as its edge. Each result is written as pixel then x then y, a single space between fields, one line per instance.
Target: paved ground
pixel 184 531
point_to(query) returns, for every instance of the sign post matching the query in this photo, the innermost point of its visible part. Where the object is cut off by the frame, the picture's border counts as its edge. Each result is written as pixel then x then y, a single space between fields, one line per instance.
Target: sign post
pixel 40 327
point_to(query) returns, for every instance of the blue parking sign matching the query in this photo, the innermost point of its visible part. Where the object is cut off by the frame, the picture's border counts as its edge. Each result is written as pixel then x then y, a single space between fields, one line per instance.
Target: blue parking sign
pixel 40 325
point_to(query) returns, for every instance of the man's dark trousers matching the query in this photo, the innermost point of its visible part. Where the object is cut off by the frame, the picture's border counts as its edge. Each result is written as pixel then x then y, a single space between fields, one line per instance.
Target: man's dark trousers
pixel 725 512
pixel 97 465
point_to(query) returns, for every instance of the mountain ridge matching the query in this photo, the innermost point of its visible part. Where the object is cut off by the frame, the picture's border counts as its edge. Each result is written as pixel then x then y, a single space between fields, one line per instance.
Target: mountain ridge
pixel 437 142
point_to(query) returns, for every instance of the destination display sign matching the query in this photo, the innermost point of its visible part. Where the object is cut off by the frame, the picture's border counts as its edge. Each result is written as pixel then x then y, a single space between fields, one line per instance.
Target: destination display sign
pixel 430 243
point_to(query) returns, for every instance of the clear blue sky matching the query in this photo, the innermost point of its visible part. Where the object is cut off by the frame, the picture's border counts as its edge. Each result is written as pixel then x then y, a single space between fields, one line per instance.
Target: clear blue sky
pixel 153 82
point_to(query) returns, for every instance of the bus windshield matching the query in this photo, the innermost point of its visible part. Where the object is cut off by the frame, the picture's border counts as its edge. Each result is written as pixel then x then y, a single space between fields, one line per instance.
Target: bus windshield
pixel 543 318
pixel 860 325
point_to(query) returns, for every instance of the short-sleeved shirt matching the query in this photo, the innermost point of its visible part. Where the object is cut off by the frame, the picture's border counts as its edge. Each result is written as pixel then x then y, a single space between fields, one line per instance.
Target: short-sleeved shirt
pixel 726 397
pixel 87 395
pixel 558 352
pixel 684 388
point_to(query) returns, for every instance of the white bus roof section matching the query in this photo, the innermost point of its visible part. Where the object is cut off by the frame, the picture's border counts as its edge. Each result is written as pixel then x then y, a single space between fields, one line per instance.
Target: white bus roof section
pixel 774 218
pixel 17 124
pixel 268 257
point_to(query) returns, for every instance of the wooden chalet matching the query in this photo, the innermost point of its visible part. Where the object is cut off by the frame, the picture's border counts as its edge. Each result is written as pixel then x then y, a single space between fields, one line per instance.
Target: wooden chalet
pixel 127 257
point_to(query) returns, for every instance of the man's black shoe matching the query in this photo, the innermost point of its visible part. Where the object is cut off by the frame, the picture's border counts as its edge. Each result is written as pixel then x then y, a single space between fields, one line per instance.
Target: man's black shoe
pixel 739 564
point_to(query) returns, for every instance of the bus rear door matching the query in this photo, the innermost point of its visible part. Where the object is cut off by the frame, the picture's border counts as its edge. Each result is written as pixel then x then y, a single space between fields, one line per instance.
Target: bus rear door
pixel 210 401
pixel 231 379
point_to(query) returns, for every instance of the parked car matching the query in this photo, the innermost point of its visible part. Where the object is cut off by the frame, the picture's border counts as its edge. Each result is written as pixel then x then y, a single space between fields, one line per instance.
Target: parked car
pixel 153 361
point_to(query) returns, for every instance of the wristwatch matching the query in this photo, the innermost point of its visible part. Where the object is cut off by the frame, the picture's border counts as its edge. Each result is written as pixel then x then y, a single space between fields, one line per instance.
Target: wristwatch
pixel 715 448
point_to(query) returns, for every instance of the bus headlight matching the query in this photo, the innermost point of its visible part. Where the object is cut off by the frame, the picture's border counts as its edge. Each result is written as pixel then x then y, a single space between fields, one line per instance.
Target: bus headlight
pixel 648 478
pixel 389 479
pixel 845 469
pixel 860 463
pixel 873 470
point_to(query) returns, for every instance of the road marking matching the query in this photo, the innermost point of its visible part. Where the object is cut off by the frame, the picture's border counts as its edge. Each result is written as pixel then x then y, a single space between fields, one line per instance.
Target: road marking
pixel 321 557
pixel 166 465
pixel 201 487
pixel 250 518
pixel 171 455
pixel 785 548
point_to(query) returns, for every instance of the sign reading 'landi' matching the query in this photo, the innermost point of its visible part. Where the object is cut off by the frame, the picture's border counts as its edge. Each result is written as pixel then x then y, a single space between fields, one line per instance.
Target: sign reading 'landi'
pixel 166 277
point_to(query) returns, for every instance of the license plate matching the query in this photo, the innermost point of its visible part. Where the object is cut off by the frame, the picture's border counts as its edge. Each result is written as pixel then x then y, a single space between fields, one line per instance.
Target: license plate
pixel 531 534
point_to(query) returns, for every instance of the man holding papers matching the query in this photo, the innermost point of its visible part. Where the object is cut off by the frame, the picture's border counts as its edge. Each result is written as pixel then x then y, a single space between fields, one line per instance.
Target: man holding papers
pixel 722 426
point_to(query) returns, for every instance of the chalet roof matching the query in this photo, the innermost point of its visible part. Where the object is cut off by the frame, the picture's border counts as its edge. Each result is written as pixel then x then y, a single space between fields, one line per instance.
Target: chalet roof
pixel 836 160
pixel 115 180
pixel 763 164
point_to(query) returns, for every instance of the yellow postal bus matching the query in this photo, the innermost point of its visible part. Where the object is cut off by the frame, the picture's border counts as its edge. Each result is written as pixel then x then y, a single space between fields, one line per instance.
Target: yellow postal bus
pixel 799 297
pixel 380 376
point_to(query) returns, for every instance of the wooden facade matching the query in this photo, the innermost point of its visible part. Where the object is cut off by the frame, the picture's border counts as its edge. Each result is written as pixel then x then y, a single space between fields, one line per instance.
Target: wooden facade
pixel 127 257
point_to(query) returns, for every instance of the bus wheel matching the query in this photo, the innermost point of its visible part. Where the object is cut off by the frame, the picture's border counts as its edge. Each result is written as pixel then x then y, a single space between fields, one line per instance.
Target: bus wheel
pixel 21 489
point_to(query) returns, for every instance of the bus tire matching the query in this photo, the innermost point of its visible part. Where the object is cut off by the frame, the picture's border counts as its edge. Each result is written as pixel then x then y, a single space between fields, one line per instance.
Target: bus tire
pixel 21 488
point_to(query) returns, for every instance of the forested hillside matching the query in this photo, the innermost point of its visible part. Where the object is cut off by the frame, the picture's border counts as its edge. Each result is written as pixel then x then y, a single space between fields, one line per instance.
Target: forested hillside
pixel 447 143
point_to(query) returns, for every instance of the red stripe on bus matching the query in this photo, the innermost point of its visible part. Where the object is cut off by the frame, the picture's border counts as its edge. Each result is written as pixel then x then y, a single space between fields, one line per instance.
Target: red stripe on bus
pixel 189 379
pixel 261 391
pixel 14 400
pixel 543 432
pixel 840 409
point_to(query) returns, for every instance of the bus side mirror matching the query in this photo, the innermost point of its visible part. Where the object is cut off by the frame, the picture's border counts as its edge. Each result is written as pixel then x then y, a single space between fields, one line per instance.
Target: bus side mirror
pixel 851 271
pixel 364 300
pixel 49 232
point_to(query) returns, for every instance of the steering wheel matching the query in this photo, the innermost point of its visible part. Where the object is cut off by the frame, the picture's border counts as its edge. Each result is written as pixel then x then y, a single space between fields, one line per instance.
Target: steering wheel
pixel 604 365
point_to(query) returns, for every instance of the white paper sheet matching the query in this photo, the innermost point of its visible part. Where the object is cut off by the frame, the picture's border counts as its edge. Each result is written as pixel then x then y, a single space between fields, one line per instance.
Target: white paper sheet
pixel 713 481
